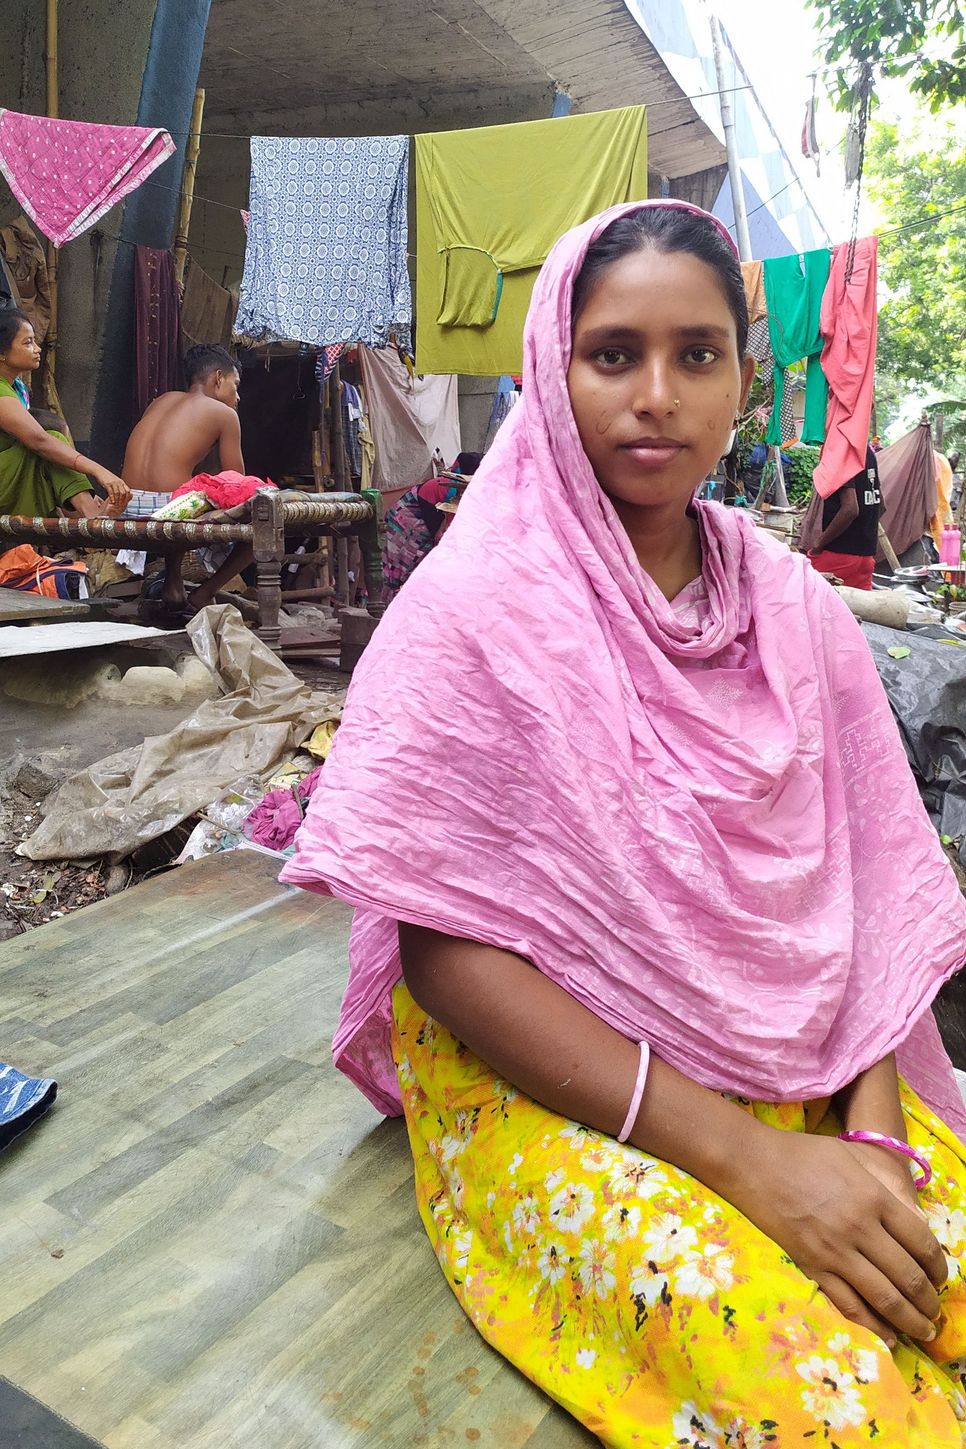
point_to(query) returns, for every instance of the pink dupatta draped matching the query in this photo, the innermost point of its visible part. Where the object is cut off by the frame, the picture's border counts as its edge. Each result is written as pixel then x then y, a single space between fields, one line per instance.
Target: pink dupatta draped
pixel 711 837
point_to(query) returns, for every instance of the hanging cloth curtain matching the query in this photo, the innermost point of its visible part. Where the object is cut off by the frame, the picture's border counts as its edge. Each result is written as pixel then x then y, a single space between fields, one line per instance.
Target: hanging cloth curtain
pixel 411 418
pixel 794 288
pixel 67 174
pixel 490 203
pixel 157 327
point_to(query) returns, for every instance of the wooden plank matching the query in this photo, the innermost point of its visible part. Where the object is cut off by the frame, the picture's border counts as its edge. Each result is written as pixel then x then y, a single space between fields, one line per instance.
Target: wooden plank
pixel 242 1260
pixel 18 608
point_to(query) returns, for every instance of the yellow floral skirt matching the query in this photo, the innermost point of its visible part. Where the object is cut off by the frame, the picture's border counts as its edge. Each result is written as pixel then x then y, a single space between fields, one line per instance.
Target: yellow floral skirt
pixel 645 1304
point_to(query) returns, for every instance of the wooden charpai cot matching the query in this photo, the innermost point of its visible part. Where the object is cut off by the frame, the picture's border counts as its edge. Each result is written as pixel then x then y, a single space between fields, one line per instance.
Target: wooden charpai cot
pixel 273 513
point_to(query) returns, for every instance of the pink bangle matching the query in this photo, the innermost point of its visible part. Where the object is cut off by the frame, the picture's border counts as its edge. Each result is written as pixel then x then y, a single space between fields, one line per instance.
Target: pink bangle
pixel 635 1106
pixel 878 1139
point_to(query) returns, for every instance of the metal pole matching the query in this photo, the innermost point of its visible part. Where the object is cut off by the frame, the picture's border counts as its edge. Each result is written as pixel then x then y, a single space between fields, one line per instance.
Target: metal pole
pixel 742 234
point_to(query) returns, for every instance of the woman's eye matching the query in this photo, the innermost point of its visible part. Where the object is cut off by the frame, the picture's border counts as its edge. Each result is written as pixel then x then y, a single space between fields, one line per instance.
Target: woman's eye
pixel 702 355
pixel 612 357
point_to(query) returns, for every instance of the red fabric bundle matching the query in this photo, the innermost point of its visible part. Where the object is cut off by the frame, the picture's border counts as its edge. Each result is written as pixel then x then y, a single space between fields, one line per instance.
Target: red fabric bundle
pixel 224 490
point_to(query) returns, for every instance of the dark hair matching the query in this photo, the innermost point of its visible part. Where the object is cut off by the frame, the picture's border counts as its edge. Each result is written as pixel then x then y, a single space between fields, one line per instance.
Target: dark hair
pixel 201 361
pixel 11 321
pixel 467 464
pixel 667 229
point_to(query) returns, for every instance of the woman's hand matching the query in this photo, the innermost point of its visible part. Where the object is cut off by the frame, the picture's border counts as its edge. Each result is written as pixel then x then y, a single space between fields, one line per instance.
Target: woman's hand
pixel 118 493
pixel 856 1232
pixel 891 1169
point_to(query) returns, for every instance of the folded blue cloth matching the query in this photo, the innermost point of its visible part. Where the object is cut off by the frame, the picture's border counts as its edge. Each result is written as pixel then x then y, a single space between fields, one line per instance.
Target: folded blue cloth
pixel 22 1101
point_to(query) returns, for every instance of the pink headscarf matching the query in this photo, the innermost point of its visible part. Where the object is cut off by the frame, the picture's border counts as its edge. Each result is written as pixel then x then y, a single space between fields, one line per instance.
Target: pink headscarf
pixel 711 838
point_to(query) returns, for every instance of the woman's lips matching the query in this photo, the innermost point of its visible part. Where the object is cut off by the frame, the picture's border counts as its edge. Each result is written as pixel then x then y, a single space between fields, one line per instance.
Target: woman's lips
pixel 652 452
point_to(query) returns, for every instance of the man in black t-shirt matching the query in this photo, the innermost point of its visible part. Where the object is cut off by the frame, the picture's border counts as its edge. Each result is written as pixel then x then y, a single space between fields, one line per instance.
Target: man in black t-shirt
pixel 850 528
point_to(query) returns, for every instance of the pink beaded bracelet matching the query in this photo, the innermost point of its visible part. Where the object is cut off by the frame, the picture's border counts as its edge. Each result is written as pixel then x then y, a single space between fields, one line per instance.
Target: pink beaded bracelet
pixel 635 1106
pixel 878 1139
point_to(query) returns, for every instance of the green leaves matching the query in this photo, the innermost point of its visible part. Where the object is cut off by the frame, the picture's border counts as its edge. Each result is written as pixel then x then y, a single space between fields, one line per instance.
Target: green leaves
pixel 924 40
pixel 922 271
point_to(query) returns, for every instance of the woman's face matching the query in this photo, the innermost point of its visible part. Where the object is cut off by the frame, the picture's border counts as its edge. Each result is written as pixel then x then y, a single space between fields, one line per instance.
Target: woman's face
pixel 23 354
pixel 655 380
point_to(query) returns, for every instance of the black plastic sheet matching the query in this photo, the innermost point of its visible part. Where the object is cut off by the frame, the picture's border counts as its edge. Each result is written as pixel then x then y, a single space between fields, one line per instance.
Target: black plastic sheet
pixel 927 692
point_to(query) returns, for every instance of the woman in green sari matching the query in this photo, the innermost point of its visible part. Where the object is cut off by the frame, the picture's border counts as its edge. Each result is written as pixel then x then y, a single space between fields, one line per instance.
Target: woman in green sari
pixel 41 472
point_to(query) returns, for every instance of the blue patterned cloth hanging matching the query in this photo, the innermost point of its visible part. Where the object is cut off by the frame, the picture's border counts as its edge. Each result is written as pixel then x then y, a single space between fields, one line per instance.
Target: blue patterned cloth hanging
pixel 327 240
pixel 22 1101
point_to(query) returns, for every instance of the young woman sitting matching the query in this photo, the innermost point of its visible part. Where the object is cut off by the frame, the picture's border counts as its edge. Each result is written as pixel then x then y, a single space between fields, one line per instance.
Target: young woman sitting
pixel 649 968
pixel 41 472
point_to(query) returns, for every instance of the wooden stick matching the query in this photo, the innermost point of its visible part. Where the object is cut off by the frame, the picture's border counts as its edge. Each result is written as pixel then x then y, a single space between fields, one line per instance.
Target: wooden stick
pixel 887 549
pixel 318 474
pixel 53 110
pixel 188 186
pixel 339 470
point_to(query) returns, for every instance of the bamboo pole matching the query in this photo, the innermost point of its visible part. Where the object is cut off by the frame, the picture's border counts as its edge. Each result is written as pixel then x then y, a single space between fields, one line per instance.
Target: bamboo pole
pixel 188 186
pixel 53 110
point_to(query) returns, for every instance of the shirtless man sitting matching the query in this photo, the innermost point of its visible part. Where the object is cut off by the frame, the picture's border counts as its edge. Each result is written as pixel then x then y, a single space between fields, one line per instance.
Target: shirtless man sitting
pixel 169 446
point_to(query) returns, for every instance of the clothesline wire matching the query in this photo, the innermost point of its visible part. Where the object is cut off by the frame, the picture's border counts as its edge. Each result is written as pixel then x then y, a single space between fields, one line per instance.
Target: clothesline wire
pixel 220 251
pixel 238 256
pixel 648 105
pixel 923 221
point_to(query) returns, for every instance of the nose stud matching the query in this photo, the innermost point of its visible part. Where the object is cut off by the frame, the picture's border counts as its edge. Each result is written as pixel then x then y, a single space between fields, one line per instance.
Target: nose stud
pixel 677 402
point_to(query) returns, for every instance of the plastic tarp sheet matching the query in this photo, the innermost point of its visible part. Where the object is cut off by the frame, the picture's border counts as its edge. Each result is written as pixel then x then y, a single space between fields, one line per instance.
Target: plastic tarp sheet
pixel 910 497
pixel 139 794
pixel 927 692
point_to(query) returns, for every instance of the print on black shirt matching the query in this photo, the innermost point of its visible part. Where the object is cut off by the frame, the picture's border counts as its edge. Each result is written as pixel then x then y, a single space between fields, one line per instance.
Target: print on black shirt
pixel 861 538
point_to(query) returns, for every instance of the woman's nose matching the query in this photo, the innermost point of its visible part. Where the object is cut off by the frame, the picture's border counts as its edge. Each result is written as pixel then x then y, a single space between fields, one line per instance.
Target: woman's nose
pixel 655 391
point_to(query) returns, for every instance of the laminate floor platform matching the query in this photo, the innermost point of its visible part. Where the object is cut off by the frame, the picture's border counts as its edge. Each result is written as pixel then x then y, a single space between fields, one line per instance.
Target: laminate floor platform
pixel 211 1242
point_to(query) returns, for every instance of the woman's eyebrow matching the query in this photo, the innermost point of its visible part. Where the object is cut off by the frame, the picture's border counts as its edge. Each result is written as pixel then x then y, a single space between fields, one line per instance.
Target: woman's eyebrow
pixel 705 332
pixel 710 331
pixel 600 335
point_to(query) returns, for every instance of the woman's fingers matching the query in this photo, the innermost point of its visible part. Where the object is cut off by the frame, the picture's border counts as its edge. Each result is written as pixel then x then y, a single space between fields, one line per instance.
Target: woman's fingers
pixel 848 1302
pixel 910 1228
pixel 900 1294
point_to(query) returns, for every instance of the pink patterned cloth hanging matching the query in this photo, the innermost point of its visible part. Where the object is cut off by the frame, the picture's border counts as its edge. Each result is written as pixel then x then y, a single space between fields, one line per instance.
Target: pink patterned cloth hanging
pixel 67 174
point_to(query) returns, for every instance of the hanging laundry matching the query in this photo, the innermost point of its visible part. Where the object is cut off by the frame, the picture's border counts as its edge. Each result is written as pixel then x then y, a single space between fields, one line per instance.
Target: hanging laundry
pixel 207 310
pixel 410 417
pixel 753 276
pixel 810 148
pixel 328 357
pixel 759 347
pixel 794 287
pixel 849 321
pixel 67 174
pixel 327 239
pixel 157 327
pixel 24 256
pixel 351 418
pixel 490 203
